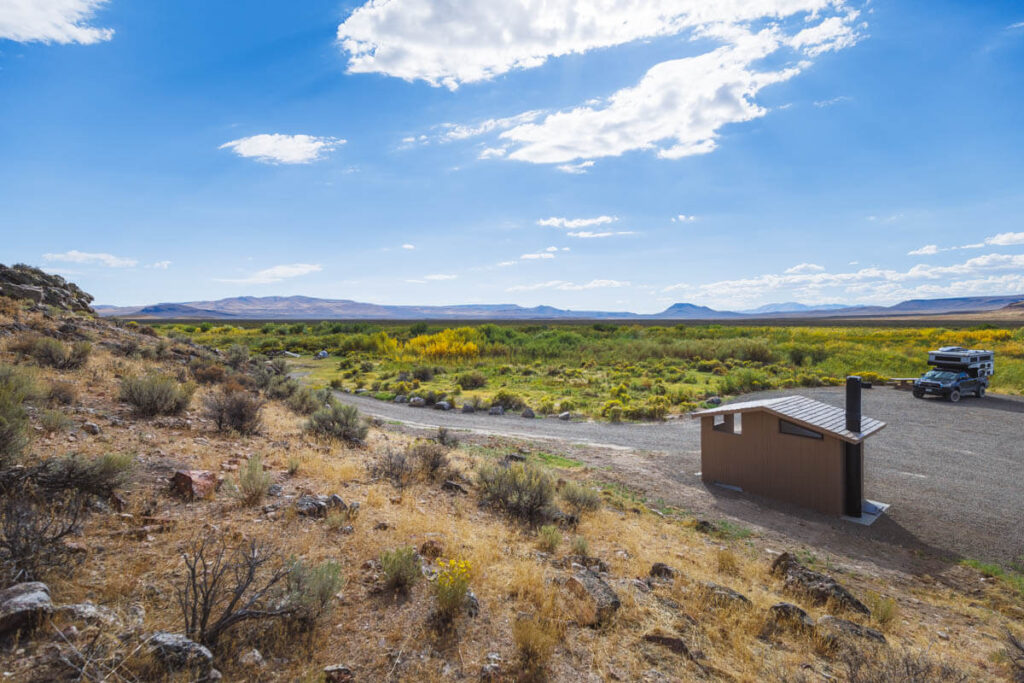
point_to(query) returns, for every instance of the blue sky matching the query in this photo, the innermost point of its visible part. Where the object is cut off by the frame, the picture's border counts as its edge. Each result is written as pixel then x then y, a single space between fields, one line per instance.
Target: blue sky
pixel 608 154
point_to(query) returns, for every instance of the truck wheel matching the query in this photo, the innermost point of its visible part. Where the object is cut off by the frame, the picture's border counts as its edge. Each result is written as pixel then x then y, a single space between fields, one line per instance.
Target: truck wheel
pixel 954 395
pixel 918 393
pixel 980 392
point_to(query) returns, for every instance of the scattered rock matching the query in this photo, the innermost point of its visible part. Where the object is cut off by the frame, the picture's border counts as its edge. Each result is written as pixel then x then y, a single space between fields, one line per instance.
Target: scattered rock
pixel 251 658
pixel 338 673
pixel 401 398
pixel 336 502
pixel 588 585
pixel 723 596
pixel 381 526
pixel 195 484
pixel 93 614
pixel 417 401
pixel 442 405
pixel 91 428
pixel 472 604
pixel 833 629
pixel 713 401
pixel 821 588
pixel 642 586
pixel 453 486
pixel 311 506
pixel 22 605
pixel 528 412
pixel 673 643
pixel 347 530
pixel 565 416
pixel 275 490
pixel 491 671
pixel 942 635
pixel 177 652
pixel 704 526
pixel 515 457
pixel 660 570
pixel 431 549
pixel 496 410
pixel 468 408
pixel 786 614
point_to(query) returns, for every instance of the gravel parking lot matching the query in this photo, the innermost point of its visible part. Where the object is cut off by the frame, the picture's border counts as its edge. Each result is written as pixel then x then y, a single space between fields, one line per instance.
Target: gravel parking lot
pixel 953 473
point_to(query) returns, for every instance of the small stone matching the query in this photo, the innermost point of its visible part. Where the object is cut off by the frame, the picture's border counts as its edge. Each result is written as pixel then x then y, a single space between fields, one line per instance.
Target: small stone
pixel 496 410
pixel 275 490
pixel 673 643
pixel 177 652
pixel 381 526
pixel 442 405
pixel 431 549
pixel 832 629
pixel 22 605
pixel 705 527
pixel 528 413
pixel 587 584
pixel 453 487
pixel 660 570
pixel 942 635
pixel 566 416
pixel 417 401
pixel 251 658
pixel 338 673
pixel 91 428
pixel 788 614
pixel 195 484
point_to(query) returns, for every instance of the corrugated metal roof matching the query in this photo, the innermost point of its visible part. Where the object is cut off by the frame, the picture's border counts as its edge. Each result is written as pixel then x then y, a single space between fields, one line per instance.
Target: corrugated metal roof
pixel 806 412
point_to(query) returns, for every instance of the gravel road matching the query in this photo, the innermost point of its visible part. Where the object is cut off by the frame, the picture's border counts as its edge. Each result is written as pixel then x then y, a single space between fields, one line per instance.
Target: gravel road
pixel 953 473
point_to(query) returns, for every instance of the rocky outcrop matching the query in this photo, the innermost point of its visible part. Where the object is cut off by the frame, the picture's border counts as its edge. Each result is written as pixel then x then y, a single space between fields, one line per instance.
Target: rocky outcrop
pixel 819 587
pixel 32 284
pixel 22 605
pixel 587 585
pixel 723 596
pixel 178 653
pixel 832 630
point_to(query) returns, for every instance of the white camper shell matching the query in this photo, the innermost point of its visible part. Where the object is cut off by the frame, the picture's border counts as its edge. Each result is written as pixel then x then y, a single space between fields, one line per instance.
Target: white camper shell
pixel 974 362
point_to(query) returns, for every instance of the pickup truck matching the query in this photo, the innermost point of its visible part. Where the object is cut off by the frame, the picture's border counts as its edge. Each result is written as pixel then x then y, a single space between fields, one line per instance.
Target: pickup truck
pixel 950 384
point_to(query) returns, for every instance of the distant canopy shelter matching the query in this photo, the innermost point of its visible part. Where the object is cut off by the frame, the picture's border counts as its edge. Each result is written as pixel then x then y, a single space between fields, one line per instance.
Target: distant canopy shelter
pixel 791 448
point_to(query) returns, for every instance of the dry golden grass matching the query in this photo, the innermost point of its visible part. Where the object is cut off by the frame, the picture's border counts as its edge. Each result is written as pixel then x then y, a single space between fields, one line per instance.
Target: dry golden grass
pixel 526 615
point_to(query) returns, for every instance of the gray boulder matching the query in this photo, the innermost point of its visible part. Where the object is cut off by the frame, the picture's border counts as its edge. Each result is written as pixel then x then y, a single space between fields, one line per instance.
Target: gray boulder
pixel 442 405
pixel 176 652
pixel 468 408
pixel 714 401
pixel 401 398
pixel 565 416
pixel 832 630
pixel 312 506
pixel 723 596
pixel 22 605
pixel 788 615
pixel 496 410
pixel 528 412
pixel 660 570
pixel 417 401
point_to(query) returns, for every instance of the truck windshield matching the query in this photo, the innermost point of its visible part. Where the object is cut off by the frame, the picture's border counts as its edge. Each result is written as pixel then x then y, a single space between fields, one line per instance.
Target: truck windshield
pixel 940 375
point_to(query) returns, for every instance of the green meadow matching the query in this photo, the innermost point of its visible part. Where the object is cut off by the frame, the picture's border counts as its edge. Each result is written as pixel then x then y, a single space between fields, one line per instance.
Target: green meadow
pixel 609 370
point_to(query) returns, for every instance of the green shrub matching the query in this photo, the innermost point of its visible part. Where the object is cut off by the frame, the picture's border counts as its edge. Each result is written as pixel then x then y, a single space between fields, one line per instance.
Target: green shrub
pixel 156 395
pixel 581 498
pixel 234 408
pixel 305 401
pixel 237 356
pixel 16 387
pixel 54 354
pixel 401 568
pixel 508 400
pixel 281 387
pixel 312 589
pixel 580 547
pixel 53 421
pixel 253 482
pixel 430 458
pixel 62 393
pixel 338 421
pixel 522 490
pixel 549 538
pixel 471 380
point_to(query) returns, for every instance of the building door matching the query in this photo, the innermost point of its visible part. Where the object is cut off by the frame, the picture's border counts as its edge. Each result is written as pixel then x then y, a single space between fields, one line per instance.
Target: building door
pixel 853 480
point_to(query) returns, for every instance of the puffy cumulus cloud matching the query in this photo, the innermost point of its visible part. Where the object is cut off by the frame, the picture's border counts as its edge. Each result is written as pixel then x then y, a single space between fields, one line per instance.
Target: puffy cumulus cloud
pixel 987 274
pixel 454 42
pixel 52 21
pixel 1005 239
pixel 926 250
pixel 676 110
pixel 556 222
pixel 276 274
pixel 92 258
pixel 569 286
pixel 275 148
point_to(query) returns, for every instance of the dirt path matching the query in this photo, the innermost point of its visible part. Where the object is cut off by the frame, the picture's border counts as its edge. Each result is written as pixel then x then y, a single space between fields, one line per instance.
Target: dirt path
pixel 952 473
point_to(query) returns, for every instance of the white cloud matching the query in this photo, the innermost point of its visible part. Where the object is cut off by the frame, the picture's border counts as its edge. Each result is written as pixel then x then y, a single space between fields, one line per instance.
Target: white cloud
pixel 276 148
pixel 506 264
pixel 410 247
pixel 51 21
pixel 1019 24
pixel 491 153
pixel 555 222
pixel 586 234
pixel 276 274
pixel 804 268
pixel 926 250
pixel 75 256
pixel 569 286
pixel 575 169
pixel 683 218
pixel 439 276
pixel 160 265
pixel 542 255
pixel 462 41
pixel 1005 239
pixel 835 100
pixel 975 276
pixel 458 131
pixel 551 249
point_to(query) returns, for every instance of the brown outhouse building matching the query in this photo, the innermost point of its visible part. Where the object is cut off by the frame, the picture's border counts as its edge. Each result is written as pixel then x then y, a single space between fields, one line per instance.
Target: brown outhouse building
pixel 791 448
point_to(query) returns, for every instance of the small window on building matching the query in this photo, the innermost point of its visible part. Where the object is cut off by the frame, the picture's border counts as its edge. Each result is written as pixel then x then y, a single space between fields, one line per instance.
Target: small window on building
pixel 787 427
pixel 731 423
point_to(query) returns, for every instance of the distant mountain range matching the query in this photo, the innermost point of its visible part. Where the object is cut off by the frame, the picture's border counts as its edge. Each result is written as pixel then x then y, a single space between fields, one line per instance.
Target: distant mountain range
pixel 310 308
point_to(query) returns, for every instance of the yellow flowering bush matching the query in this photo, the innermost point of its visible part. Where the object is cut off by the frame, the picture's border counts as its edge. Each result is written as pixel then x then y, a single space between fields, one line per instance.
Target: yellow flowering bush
pixel 452 585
